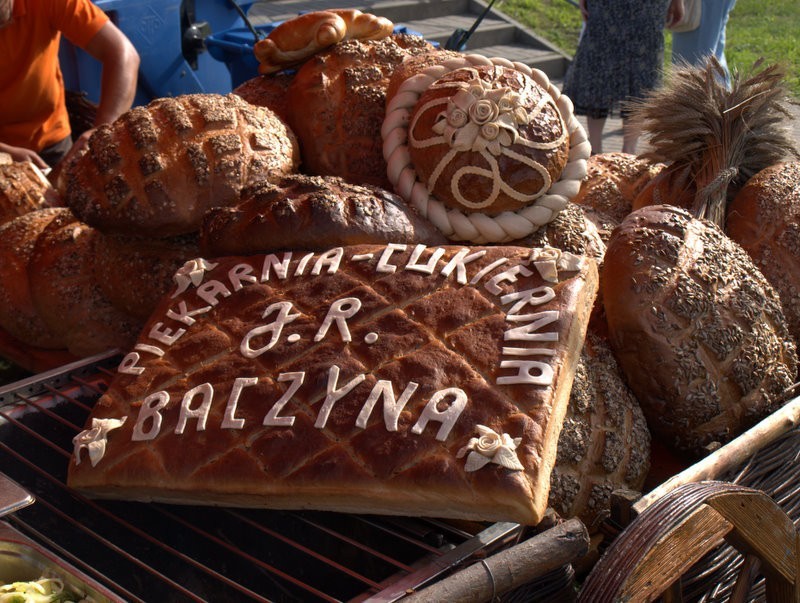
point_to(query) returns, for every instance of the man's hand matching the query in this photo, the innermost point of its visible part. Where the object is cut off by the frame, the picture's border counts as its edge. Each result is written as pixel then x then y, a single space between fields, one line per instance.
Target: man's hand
pixel 23 154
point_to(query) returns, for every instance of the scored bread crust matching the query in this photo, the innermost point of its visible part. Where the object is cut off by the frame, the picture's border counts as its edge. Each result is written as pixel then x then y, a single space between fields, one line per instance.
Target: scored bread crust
pixel 23 188
pixel 337 105
pixel 66 294
pixel 312 212
pixel 764 218
pixel 412 327
pixel 696 328
pixel 17 313
pixel 159 167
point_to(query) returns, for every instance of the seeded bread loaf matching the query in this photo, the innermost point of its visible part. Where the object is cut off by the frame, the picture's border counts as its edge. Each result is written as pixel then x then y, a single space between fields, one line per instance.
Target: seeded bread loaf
pixel 23 188
pixel 604 443
pixel 66 294
pixel 697 329
pixel 373 379
pixel 134 273
pixel 312 212
pixel 158 168
pixel 17 313
pixel 764 218
pixel 337 105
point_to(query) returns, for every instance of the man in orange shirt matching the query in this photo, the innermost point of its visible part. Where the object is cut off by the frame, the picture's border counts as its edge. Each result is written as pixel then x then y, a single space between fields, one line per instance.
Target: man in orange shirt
pixel 34 124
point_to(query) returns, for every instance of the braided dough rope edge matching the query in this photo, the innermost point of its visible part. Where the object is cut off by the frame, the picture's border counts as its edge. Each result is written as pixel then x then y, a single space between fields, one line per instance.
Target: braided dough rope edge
pixel 476 227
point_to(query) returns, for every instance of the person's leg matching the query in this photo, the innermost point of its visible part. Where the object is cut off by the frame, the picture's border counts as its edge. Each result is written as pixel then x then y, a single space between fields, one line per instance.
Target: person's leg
pixel 595 126
pixel 693 46
pixel 630 137
pixel 719 49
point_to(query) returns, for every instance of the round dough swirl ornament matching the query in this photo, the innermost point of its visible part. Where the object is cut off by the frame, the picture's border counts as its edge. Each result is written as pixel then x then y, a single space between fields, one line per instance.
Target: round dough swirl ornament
pixel 486 149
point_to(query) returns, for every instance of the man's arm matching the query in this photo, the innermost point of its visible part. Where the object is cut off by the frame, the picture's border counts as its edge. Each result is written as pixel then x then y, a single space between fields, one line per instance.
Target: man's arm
pixel 120 63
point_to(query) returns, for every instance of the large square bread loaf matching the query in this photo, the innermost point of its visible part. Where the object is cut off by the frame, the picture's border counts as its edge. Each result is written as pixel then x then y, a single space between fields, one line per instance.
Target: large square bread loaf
pixel 394 379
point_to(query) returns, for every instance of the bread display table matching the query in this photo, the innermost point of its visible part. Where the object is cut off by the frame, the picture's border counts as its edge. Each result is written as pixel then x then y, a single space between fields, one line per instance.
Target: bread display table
pixel 458 560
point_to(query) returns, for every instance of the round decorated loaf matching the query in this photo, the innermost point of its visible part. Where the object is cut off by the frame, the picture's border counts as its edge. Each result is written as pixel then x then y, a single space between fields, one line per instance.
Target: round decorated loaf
pixel 487 149
pixel 487 138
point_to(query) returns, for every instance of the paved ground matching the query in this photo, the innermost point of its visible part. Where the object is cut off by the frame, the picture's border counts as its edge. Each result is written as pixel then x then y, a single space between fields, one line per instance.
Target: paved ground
pixel 612 134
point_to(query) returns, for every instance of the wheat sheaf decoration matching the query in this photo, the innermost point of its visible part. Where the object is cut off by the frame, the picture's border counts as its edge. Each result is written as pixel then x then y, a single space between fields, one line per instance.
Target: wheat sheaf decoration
pixel 716 137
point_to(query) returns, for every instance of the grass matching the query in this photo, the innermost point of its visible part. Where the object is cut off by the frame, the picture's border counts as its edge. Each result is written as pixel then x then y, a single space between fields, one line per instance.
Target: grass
pixel 755 30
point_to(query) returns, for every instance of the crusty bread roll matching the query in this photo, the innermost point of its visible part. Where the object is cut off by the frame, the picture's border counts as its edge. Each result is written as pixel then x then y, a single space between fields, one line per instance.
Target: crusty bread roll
pixel 337 106
pixel 604 444
pixel 764 218
pixel 66 295
pixel 23 188
pixel 300 38
pixel 696 328
pixel 312 212
pixel 487 138
pixel 612 183
pixel 134 273
pixel 371 379
pixel 571 231
pixel 270 91
pixel 158 168
pixel 17 314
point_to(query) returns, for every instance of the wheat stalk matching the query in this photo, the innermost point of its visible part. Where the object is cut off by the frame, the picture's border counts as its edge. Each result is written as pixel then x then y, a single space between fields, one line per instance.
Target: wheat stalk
pixel 724 135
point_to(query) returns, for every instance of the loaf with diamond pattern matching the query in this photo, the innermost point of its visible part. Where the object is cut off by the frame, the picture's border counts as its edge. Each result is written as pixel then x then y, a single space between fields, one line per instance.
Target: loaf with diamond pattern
pixel 395 379
pixel 158 168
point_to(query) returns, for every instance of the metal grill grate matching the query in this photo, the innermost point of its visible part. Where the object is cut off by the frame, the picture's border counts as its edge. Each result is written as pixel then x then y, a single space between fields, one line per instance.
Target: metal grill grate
pixel 157 552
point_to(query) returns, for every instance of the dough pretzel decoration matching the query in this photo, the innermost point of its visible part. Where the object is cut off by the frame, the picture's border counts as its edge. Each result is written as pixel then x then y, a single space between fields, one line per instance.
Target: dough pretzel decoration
pixel 479 228
pixel 298 39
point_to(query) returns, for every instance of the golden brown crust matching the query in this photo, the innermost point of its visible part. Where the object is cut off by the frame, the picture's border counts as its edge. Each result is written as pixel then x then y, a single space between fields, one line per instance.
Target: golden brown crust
pixel 696 328
pixel 604 444
pixel 315 213
pixel 570 231
pixel 17 314
pixel 66 295
pixel 412 332
pixel 268 91
pixel 469 168
pixel 134 273
pixel 337 105
pixel 612 183
pixel 673 185
pixel 23 188
pixel 414 64
pixel 764 218
pixel 158 168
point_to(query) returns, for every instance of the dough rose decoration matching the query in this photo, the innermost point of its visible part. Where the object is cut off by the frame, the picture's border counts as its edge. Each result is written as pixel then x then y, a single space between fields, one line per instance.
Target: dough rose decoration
pixel 94 439
pixel 491 447
pixel 486 149
pixel 191 274
pixel 549 260
pixel 480 118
